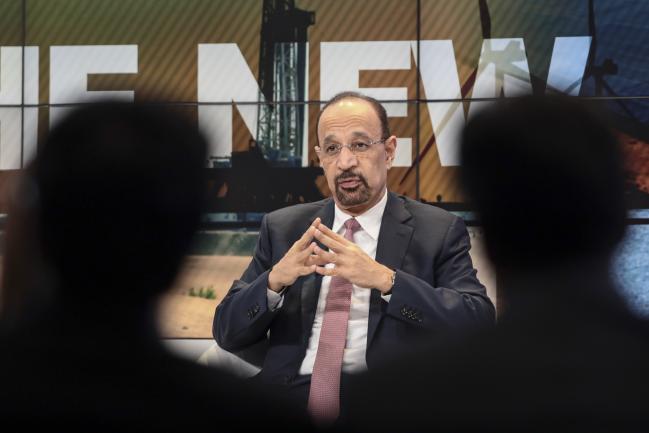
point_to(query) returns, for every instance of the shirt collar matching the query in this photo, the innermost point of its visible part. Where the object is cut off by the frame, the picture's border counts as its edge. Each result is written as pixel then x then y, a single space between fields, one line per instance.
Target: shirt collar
pixel 370 221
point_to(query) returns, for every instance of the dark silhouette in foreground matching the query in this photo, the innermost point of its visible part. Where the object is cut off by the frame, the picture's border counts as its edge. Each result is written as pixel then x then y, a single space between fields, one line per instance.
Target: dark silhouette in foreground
pixel 545 178
pixel 99 229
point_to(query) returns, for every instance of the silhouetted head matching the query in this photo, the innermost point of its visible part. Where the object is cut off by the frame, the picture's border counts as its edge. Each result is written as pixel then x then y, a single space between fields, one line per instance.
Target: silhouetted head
pixel 545 176
pixel 120 191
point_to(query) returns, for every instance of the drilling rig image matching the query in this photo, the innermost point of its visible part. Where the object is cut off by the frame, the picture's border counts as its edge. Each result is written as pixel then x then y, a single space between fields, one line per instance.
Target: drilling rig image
pixel 269 174
pixel 282 78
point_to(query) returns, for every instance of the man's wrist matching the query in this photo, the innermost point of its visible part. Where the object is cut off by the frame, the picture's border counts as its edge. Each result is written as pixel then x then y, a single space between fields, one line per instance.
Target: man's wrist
pixel 273 284
pixel 387 281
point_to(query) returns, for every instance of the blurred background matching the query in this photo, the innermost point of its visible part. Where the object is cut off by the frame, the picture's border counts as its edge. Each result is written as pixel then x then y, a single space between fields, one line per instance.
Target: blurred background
pixel 254 73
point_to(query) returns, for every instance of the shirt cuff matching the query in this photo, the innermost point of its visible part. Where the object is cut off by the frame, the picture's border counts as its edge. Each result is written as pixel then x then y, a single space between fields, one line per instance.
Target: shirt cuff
pixel 275 300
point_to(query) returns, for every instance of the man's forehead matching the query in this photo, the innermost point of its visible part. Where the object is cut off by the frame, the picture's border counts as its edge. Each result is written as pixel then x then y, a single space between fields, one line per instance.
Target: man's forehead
pixel 354 134
pixel 349 113
pixel 350 104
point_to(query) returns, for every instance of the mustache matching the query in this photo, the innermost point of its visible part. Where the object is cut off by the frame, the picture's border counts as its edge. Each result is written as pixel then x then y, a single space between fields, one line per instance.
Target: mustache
pixel 350 175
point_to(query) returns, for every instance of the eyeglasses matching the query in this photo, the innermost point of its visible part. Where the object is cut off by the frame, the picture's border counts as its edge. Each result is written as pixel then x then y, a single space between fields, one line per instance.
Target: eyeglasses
pixel 357 147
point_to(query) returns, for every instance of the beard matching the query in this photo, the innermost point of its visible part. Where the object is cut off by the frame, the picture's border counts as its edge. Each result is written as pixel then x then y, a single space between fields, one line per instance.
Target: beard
pixel 352 196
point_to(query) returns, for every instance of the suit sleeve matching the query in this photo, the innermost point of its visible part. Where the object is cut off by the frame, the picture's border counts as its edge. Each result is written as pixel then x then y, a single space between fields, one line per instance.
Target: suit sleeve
pixel 458 300
pixel 243 317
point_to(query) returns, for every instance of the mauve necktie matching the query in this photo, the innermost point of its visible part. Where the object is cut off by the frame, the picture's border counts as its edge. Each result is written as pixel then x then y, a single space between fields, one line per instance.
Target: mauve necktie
pixel 324 395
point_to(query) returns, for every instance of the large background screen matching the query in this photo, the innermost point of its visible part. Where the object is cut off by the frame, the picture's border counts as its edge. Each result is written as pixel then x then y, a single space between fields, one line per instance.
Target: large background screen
pixel 253 74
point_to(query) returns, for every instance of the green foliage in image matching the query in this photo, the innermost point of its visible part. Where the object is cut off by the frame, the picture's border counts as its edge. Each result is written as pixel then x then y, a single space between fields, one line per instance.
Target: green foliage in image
pixel 203 292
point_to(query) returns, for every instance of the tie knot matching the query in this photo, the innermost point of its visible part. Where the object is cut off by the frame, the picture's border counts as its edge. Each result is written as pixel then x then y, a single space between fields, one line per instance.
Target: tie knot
pixel 352 225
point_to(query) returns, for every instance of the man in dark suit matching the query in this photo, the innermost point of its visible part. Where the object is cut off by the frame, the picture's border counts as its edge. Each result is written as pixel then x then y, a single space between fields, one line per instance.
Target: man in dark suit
pixel 545 177
pixel 339 283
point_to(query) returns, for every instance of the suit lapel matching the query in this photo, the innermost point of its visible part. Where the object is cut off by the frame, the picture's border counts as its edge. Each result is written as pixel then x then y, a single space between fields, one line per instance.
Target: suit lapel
pixel 311 284
pixel 394 239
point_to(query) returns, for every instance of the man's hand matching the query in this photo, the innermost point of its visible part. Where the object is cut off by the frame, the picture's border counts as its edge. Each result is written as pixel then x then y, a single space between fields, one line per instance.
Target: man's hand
pixel 351 262
pixel 296 262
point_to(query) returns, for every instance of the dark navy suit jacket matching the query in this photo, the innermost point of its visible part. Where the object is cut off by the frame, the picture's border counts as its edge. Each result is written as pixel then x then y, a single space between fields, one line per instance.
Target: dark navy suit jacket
pixel 435 290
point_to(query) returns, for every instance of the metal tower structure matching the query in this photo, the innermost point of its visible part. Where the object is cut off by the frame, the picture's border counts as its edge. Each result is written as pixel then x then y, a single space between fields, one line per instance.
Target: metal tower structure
pixel 282 78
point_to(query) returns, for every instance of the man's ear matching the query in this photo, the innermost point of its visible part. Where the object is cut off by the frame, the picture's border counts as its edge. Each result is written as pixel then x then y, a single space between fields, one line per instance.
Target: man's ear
pixel 318 160
pixel 390 150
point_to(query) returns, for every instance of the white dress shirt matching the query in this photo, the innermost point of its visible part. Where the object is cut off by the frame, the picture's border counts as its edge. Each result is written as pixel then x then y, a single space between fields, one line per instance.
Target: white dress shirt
pixel 355 347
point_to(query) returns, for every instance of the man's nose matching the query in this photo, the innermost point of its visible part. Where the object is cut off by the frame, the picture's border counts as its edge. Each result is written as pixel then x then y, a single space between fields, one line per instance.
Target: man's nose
pixel 346 159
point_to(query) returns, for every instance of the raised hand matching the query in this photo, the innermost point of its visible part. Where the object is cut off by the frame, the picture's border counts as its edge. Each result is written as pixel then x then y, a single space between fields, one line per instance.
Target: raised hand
pixel 350 261
pixel 296 262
